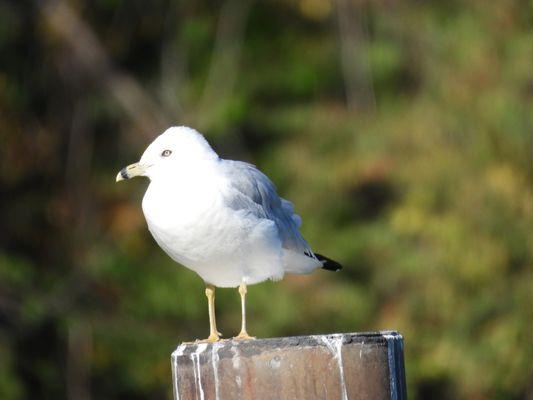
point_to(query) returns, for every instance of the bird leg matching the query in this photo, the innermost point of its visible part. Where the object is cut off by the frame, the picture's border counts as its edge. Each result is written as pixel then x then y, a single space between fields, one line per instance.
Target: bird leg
pixel 243 335
pixel 214 334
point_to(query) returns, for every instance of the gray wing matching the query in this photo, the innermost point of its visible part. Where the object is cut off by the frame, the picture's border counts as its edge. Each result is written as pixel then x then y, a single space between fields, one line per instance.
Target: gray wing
pixel 252 191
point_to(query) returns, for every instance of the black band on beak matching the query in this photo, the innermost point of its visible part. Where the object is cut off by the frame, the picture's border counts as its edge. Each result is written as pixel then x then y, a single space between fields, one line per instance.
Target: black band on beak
pixel 124 173
pixel 131 171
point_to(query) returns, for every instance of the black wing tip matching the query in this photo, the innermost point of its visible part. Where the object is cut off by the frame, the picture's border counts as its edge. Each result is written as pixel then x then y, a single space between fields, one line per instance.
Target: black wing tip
pixel 328 264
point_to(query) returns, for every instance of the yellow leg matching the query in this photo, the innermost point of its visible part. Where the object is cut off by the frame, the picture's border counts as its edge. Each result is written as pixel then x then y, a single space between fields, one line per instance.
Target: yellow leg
pixel 243 335
pixel 214 334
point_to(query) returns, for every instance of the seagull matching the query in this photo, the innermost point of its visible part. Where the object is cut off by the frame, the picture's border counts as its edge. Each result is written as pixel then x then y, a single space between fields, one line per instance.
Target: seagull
pixel 222 219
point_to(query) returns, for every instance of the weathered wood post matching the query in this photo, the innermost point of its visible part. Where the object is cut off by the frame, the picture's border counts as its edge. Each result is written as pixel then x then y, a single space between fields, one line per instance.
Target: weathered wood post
pixel 338 366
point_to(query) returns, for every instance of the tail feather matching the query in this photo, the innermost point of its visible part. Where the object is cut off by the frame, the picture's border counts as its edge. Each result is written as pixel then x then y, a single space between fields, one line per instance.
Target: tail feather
pixel 328 263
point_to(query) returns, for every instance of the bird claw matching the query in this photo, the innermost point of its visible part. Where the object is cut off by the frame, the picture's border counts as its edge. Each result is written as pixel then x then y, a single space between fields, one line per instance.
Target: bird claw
pixel 214 337
pixel 244 336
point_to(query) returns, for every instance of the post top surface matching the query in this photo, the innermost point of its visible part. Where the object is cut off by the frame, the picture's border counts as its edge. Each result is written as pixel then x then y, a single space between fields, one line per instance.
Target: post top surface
pixel 259 345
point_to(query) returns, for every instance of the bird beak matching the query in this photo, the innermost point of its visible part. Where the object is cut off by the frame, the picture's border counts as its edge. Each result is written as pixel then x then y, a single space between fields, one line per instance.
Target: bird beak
pixel 131 171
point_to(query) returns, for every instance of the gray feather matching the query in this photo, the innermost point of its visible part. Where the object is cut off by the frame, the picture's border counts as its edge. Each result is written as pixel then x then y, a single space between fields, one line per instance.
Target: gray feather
pixel 254 192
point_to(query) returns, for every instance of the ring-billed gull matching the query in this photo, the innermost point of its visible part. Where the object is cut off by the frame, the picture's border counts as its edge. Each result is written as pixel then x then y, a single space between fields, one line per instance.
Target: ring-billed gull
pixel 220 218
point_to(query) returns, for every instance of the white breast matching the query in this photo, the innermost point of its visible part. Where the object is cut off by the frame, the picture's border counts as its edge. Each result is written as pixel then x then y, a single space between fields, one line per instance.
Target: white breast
pixel 180 219
pixel 225 247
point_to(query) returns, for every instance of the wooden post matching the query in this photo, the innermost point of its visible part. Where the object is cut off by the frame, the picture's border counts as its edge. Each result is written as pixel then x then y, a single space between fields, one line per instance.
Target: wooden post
pixel 337 366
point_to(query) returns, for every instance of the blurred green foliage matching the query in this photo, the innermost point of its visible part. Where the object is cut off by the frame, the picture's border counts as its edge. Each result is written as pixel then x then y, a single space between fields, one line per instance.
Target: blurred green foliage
pixel 422 185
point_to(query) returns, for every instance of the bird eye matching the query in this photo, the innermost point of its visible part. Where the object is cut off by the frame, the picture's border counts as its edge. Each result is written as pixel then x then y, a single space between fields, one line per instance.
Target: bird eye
pixel 166 153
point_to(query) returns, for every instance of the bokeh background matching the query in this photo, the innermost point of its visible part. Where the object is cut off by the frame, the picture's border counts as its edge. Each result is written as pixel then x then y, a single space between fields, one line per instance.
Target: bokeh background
pixel 402 130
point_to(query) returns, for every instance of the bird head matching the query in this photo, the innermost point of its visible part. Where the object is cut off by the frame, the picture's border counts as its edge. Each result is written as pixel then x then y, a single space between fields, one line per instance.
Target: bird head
pixel 175 149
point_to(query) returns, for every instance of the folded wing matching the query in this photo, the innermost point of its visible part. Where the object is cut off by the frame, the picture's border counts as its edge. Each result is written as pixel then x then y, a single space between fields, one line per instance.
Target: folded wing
pixel 251 190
